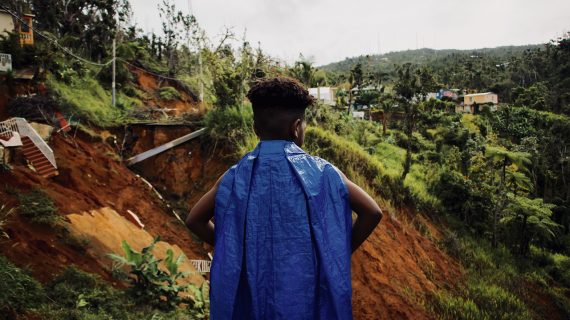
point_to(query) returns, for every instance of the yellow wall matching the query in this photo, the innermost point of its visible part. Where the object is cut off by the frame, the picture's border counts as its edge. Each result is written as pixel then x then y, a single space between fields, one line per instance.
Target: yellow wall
pixel 480 99
pixel 6 23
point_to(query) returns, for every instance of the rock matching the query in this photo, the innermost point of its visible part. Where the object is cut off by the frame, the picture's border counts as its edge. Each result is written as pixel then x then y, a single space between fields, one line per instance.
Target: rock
pixel 43 130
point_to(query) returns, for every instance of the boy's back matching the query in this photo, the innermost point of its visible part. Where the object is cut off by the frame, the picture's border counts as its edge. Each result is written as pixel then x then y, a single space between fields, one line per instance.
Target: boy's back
pixel 279 255
pixel 283 232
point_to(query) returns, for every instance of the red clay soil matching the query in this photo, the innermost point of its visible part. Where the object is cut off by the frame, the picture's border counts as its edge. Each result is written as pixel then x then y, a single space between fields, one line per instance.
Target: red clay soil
pixel 393 270
pixel 394 267
pixel 90 178
pixel 185 172
pixel 151 84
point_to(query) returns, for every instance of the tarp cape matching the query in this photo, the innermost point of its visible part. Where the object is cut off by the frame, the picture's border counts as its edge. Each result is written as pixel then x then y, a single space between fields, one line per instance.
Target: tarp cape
pixel 330 223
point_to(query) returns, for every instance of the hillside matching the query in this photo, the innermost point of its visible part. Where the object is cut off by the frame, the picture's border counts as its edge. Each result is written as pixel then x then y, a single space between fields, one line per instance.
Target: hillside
pixel 424 56
pixel 476 202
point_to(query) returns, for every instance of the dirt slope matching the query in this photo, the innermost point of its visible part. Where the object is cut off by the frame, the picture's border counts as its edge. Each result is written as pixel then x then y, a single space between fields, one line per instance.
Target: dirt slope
pixel 395 268
pixel 90 178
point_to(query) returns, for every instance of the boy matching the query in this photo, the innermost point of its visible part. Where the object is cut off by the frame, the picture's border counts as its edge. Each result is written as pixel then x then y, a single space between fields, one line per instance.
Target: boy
pixel 283 230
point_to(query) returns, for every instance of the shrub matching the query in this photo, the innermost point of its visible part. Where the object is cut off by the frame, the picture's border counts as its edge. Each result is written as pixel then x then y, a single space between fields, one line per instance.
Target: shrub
pixel 18 290
pixel 233 127
pixel 154 286
pixel 37 207
pixel 80 295
pixel 168 93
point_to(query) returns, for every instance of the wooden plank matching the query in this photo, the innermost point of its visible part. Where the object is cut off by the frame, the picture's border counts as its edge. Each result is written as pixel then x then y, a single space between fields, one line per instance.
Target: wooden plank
pixel 169 145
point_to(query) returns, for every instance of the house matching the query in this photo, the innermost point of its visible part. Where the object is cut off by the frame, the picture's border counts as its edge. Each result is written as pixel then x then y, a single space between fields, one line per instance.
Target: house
pixel 470 101
pixel 25 28
pixel 324 94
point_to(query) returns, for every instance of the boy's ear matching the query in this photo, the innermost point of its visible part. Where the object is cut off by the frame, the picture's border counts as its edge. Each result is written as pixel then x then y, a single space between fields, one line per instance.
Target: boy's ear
pixel 296 128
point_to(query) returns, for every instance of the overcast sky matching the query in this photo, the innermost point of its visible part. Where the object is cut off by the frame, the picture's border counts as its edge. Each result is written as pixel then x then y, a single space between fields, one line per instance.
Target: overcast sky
pixel 328 31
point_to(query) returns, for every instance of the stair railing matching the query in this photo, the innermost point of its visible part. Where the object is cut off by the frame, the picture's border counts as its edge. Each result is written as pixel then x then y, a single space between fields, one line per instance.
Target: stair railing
pixel 7 127
pixel 26 130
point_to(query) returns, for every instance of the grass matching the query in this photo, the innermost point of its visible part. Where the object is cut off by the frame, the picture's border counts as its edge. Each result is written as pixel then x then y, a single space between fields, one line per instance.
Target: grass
pixel 496 283
pixel 73 294
pixel 37 207
pixel 168 93
pixel 232 127
pixel 18 290
pixel 418 183
pixel 86 98
pixel 392 157
pixel 353 160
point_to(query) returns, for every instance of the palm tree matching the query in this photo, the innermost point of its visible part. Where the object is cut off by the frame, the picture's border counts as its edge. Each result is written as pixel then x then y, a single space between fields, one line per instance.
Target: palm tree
pixel 505 157
pixel 532 217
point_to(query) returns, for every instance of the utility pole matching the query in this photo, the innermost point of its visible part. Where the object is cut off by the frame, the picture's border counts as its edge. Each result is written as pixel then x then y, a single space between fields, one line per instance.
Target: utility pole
pixel 201 76
pixel 114 99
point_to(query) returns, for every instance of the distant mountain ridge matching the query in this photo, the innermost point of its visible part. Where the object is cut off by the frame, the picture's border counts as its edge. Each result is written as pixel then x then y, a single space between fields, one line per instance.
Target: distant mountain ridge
pixel 421 56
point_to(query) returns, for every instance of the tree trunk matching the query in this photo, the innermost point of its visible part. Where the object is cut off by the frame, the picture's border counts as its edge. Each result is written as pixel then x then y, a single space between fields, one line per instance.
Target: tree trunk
pixel 409 132
pixel 384 122
pixel 523 243
pixel 349 101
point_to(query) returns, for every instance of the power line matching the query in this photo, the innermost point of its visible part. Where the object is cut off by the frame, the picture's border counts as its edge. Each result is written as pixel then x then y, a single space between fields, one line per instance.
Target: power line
pixel 78 57
pixel 146 71
pixel 53 41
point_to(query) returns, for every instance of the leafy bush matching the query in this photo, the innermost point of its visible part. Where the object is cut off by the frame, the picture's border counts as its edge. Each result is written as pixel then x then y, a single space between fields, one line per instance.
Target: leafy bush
pixel 37 207
pixel 80 295
pixel 233 127
pixel 18 290
pixel 168 93
pixel 154 286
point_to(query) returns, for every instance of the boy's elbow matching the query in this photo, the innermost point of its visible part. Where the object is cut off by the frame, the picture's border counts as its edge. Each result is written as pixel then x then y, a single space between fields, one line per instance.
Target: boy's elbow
pixel 191 221
pixel 377 215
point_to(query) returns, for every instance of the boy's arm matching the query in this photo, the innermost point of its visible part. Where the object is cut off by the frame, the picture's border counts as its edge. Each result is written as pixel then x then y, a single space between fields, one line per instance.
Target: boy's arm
pixel 198 220
pixel 367 210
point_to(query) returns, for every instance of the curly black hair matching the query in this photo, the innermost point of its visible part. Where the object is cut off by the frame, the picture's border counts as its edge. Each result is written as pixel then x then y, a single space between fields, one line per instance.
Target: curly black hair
pixel 282 92
pixel 276 103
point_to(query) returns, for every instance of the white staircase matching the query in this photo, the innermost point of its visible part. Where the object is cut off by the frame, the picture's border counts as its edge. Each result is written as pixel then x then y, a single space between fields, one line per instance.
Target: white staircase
pixel 36 150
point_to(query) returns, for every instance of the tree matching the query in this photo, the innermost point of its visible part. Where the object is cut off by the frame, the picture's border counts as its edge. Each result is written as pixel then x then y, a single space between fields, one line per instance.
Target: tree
pixel 531 218
pixel 504 157
pixel 411 87
pixel 175 26
pixel 355 80
pixel 90 24
pixel 303 71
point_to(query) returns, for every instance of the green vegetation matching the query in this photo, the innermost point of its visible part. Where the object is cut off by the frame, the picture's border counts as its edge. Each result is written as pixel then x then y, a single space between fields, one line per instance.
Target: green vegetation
pixel 73 294
pixel 168 93
pixel 153 286
pixel 232 127
pixel 498 181
pixel 37 207
pixel 18 290
pixel 86 97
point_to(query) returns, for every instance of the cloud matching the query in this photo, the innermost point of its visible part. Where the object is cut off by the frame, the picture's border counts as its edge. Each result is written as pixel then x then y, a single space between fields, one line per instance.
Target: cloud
pixel 335 29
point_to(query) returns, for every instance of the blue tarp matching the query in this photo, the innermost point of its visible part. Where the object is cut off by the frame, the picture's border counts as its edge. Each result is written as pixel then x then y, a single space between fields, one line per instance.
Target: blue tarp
pixel 282 238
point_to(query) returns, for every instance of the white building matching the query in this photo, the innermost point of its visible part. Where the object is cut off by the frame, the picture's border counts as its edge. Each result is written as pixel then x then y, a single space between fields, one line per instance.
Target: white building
pixel 324 94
